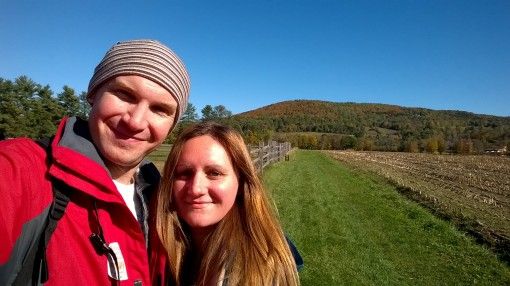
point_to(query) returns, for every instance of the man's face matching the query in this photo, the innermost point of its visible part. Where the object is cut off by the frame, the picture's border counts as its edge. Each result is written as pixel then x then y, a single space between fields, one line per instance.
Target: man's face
pixel 130 117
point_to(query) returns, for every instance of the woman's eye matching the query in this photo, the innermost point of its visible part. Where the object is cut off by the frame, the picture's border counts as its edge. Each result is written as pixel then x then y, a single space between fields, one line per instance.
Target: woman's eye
pixel 214 174
pixel 184 174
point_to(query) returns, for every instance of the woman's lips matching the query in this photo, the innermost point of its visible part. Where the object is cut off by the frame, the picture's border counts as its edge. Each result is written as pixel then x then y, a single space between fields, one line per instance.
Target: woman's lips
pixel 198 205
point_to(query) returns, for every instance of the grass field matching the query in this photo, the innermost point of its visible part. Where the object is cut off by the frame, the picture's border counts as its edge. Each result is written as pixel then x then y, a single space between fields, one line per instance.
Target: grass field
pixel 356 229
pixel 471 191
pixel 158 156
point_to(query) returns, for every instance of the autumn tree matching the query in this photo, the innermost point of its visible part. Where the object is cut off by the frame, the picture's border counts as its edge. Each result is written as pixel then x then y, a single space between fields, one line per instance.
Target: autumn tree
pixel 464 146
pixel 412 146
pixel 365 144
pixel 441 145
pixel 432 145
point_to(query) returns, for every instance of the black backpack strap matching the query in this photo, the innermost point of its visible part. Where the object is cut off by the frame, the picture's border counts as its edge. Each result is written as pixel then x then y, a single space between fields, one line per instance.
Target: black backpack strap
pixel 57 210
pixel 35 266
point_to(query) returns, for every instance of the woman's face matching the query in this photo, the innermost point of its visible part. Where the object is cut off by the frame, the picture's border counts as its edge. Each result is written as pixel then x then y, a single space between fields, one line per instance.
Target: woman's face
pixel 205 184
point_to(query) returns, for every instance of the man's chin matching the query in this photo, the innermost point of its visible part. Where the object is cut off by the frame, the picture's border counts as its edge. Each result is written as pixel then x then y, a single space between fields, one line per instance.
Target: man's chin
pixel 118 164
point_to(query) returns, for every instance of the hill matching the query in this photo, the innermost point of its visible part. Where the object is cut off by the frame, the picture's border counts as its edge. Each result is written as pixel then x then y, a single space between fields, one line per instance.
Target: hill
pixel 375 126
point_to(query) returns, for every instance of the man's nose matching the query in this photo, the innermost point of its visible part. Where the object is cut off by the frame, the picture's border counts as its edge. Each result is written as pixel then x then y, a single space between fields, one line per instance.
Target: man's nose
pixel 136 117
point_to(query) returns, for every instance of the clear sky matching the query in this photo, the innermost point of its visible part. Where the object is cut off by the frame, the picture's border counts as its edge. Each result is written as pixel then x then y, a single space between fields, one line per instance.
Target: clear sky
pixel 246 54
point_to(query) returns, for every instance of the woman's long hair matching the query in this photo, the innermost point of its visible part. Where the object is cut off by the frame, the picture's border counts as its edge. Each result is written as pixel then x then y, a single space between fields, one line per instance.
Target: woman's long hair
pixel 247 246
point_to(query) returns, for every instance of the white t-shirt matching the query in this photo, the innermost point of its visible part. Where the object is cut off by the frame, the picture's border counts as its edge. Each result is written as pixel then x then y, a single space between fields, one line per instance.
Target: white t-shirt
pixel 128 193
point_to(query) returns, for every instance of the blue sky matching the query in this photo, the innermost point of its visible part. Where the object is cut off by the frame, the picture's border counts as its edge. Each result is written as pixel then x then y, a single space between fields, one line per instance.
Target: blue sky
pixel 246 54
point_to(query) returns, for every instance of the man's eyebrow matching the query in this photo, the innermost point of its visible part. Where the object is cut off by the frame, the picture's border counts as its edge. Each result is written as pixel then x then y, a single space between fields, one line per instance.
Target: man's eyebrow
pixel 118 83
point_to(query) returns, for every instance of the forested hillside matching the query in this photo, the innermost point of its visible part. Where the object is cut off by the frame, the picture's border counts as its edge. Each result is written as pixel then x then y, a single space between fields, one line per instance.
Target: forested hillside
pixel 331 125
pixel 33 110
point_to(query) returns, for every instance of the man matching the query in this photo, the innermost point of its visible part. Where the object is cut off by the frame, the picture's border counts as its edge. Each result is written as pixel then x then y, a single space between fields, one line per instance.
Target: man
pixel 137 93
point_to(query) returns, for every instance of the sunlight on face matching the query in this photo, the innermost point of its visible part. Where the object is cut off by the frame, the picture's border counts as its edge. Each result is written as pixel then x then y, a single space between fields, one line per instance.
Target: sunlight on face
pixel 206 183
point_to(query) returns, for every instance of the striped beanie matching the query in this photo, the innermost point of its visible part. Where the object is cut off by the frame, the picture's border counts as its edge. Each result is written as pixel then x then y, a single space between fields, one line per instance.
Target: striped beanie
pixel 149 59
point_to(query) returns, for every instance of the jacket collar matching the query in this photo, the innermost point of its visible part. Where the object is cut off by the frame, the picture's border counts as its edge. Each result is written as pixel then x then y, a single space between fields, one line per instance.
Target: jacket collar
pixel 76 136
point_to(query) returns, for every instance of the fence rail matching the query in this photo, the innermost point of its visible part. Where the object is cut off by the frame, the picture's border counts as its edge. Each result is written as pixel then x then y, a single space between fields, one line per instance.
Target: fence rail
pixel 261 154
pixel 264 155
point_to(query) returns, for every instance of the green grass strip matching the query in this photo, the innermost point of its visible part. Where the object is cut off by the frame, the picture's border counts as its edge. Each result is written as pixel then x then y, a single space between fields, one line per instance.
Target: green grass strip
pixel 355 229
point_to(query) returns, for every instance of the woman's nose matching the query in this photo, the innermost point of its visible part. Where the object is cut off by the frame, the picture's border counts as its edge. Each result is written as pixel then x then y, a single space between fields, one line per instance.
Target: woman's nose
pixel 198 185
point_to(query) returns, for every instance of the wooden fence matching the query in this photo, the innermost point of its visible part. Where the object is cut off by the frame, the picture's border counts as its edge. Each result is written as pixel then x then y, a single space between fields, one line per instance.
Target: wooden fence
pixel 264 155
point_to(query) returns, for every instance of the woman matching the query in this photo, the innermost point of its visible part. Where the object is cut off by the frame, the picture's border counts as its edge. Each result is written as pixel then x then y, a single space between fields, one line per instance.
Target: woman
pixel 214 217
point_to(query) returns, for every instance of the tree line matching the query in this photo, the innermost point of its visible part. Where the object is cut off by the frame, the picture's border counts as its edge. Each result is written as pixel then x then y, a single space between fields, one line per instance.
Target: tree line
pixel 311 124
pixel 29 109
pixel 32 110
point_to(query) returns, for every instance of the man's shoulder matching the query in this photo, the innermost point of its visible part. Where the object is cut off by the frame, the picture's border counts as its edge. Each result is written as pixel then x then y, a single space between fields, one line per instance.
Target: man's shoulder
pixel 20 146
pixel 21 154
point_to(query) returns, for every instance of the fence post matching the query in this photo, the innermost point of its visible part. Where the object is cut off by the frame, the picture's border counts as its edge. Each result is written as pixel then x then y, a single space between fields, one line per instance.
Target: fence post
pixel 287 150
pixel 280 151
pixel 274 156
pixel 269 153
pixel 260 154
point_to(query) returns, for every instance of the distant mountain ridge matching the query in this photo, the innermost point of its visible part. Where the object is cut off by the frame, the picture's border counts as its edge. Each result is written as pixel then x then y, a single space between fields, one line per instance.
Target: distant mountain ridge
pixel 389 127
pixel 302 105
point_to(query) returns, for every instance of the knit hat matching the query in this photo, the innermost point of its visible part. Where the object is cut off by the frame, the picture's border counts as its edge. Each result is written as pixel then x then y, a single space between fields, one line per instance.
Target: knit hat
pixel 149 59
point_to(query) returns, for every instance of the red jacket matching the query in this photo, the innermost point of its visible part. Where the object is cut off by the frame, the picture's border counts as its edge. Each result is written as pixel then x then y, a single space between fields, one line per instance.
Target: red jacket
pixel 26 194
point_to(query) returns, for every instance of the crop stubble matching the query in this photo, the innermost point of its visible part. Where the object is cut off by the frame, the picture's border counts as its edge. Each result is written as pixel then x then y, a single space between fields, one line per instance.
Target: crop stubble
pixel 470 189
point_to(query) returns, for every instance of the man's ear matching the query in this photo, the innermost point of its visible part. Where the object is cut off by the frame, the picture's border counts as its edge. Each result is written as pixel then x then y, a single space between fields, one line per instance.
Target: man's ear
pixel 90 98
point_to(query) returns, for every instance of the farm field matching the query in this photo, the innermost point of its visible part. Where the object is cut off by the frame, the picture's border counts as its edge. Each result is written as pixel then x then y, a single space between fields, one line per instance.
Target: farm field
pixel 354 228
pixel 472 191
pixel 158 156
